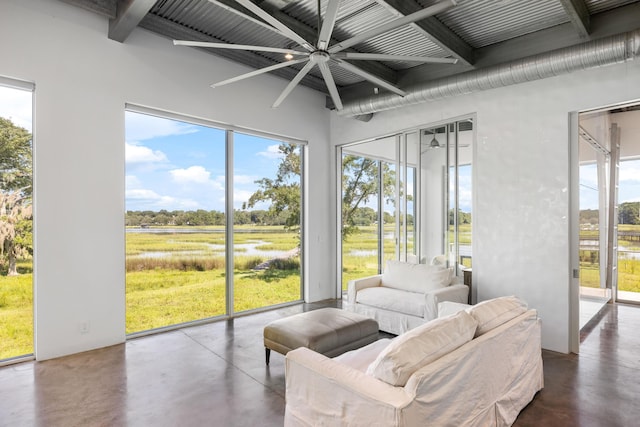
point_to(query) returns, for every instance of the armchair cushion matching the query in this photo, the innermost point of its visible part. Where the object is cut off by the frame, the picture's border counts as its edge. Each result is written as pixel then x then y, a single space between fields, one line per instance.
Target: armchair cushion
pixel 415 277
pixel 393 300
pixel 495 312
pixel 422 345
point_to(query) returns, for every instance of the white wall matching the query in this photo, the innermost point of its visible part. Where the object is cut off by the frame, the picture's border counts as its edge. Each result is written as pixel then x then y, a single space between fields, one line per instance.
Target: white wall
pixel 522 181
pixel 83 81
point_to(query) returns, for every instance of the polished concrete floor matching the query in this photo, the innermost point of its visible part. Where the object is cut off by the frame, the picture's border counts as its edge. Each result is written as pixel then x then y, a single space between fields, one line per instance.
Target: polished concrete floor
pixel 215 375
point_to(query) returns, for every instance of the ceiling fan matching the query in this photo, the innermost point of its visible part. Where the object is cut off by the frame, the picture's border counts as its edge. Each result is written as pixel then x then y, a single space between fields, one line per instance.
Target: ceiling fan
pixel 321 53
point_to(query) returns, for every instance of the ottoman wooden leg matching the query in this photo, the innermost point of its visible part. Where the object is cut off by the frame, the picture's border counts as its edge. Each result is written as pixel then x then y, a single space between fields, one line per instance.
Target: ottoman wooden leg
pixel 267 354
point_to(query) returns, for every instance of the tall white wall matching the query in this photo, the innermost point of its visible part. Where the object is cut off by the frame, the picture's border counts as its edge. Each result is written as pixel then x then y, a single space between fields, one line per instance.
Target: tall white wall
pixel 83 81
pixel 522 181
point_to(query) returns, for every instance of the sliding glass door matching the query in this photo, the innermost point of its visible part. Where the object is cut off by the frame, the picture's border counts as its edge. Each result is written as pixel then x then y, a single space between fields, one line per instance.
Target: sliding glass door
pixel 213 220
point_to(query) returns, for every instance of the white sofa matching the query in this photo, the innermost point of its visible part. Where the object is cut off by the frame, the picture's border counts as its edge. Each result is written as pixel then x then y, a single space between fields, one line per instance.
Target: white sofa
pixel 405 296
pixel 477 367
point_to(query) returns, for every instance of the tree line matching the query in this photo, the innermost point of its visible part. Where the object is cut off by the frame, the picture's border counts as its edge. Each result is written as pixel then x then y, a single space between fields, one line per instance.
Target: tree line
pixel 628 213
pixel 16 209
pixel 202 217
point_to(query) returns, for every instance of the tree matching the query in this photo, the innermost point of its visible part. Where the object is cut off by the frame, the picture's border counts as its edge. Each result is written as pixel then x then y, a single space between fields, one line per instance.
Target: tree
pixel 359 184
pixel 16 213
pixel 284 190
pixel 629 213
pixel 365 216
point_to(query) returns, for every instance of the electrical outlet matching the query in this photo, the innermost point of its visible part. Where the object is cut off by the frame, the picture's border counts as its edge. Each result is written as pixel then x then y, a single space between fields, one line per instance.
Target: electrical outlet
pixel 84 327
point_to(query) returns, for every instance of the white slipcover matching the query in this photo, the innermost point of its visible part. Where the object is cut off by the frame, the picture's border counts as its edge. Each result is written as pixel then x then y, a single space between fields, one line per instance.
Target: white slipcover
pixel 405 296
pixel 485 382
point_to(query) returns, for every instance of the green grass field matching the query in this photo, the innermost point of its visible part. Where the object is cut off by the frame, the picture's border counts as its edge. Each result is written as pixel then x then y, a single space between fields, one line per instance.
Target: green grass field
pixel 183 287
pixel 189 284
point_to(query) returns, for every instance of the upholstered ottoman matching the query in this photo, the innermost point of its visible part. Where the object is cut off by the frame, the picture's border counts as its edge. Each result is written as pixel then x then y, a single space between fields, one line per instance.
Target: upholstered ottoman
pixel 330 331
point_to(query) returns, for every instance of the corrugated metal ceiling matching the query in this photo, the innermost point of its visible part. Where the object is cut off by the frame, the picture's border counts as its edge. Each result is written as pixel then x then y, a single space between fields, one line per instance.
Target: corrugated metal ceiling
pixel 483 23
pixel 458 32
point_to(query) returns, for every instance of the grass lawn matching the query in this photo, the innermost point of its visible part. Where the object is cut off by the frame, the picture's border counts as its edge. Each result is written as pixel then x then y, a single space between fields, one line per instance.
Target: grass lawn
pixel 183 287
pixel 16 315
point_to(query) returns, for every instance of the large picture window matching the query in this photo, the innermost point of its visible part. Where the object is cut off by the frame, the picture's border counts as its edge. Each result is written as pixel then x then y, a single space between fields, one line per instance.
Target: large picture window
pixel 213 220
pixel 16 219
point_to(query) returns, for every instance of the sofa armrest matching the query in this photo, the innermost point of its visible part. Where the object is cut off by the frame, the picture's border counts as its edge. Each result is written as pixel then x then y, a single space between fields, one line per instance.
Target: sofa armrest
pixel 455 293
pixel 322 391
pixel 353 286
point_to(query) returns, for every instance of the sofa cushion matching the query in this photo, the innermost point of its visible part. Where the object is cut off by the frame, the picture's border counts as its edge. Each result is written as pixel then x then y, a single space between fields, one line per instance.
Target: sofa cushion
pixel 410 303
pixel 447 308
pixel 422 345
pixel 494 312
pixel 415 277
pixel 360 358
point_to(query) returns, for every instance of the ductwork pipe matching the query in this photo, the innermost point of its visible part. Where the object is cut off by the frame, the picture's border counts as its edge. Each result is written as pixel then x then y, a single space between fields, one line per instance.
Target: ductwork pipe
pixel 610 50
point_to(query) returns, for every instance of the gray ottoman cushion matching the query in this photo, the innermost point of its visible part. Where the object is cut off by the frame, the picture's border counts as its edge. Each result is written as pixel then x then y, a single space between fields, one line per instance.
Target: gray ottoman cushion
pixel 330 331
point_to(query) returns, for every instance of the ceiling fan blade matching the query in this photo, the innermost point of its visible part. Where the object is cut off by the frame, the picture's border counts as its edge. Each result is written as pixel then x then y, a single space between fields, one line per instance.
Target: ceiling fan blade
pixel 286 31
pixel 259 71
pixel 373 79
pixel 331 84
pixel 330 17
pixel 293 83
pixel 237 47
pixel 383 57
pixel 416 16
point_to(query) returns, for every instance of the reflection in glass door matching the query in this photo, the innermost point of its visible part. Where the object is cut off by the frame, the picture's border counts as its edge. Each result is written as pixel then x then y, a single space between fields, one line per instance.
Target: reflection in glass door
pixel 446 194
pixel 378 206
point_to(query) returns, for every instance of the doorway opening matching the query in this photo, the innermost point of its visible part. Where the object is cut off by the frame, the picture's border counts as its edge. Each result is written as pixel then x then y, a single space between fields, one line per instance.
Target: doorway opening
pixel 609 236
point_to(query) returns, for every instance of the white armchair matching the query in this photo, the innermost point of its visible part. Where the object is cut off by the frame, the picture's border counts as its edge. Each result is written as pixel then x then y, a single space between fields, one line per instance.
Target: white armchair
pixel 405 296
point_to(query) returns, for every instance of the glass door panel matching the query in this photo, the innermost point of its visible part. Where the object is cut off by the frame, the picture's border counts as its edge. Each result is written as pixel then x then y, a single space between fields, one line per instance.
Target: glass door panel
pixel 465 193
pixel 594 175
pixel 362 218
pixel 267 222
pixel 175 222
pixel 391 212
pixel 446 194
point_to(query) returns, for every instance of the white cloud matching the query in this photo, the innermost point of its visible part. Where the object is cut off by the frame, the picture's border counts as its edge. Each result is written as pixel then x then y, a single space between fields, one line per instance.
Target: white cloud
pixel 241 196
pixel 16 105
pixel 143 199
pixel 630 173
pixel 244 179
pixel 192 174
pixel 140 127
pixel 140 154
pixel 132 181
pixel 272 152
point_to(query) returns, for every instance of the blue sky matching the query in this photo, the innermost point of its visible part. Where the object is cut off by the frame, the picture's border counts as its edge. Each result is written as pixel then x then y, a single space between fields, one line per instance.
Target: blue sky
pixel 173 165
pixel 15 105
pixel 628 190
pixel 180 166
